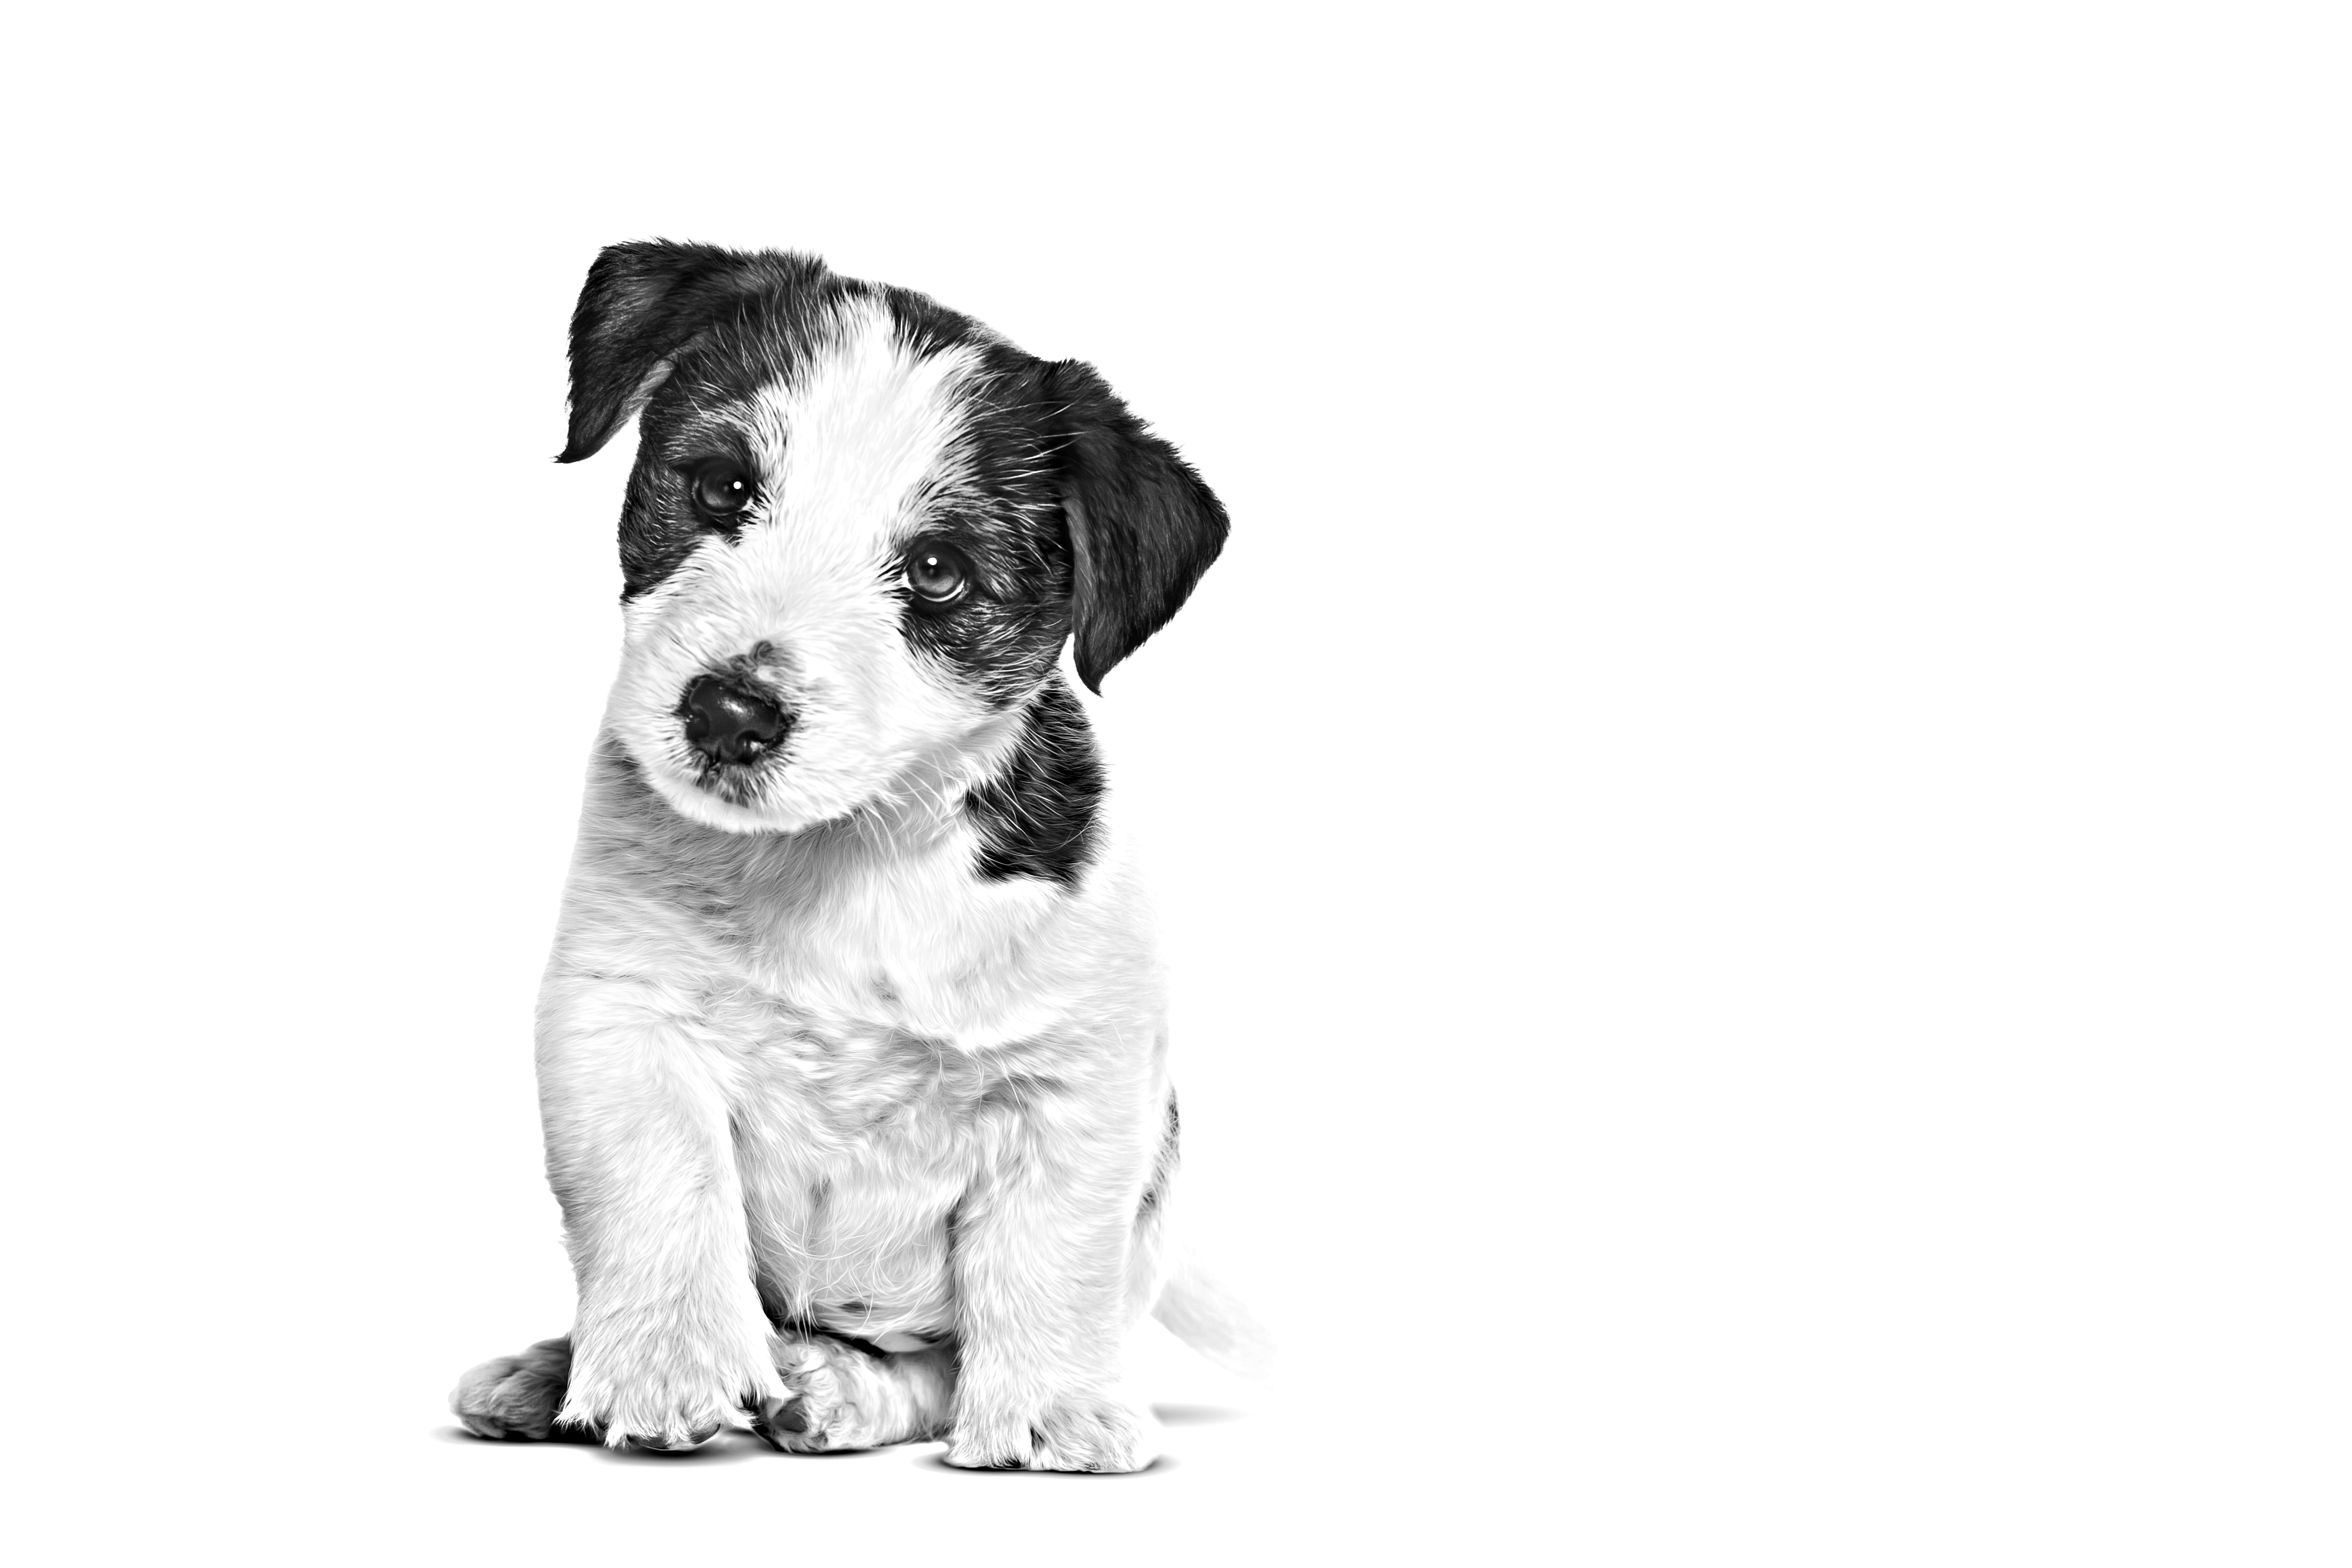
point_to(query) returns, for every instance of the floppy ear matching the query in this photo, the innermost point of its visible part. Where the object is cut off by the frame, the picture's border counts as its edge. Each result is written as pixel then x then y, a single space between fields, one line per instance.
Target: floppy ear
pixel 1142 525
pixel 643 302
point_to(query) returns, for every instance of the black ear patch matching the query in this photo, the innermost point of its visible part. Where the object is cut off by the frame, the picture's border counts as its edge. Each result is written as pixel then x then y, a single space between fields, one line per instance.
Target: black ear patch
pixel 1142 525
pixel 643 303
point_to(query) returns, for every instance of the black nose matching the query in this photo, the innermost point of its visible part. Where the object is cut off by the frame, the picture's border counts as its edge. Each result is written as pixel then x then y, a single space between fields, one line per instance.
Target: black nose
pixel 728 724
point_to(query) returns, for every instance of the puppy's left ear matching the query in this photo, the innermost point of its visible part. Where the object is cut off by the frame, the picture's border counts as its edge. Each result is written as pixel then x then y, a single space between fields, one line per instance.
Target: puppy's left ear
pixel 1142 525
pixel 643 303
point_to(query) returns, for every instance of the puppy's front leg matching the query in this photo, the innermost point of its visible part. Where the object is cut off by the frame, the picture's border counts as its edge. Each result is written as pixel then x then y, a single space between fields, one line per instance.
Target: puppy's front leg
pixel 1040 1281
pixel 670 1343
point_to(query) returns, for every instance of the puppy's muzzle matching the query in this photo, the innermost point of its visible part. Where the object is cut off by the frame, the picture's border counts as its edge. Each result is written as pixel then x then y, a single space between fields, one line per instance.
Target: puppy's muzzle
pixel 729 724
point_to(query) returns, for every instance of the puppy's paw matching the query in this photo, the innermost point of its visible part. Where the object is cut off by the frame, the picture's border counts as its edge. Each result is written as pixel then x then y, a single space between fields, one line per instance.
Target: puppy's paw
pixel 1081 1432
pixel 837 1397
pixel 820 1411
pixel 663 1403
pixel 515 1396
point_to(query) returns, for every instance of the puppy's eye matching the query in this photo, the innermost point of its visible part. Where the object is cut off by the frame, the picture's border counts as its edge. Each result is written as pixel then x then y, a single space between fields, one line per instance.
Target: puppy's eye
pixel 938 573
pixel 721 489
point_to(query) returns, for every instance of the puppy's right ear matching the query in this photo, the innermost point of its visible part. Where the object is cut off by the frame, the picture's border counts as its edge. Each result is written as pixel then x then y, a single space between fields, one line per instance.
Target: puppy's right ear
pixel 1142 525
pixel 643 302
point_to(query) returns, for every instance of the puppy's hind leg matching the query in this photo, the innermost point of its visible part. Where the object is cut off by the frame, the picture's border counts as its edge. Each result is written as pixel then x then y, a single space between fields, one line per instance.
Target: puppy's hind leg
pixel 838 1396
pixel 515 1396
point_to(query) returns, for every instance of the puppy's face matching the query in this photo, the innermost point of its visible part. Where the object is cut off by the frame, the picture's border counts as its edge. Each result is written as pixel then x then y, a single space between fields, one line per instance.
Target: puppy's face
pixel 848 563
pixel 859 529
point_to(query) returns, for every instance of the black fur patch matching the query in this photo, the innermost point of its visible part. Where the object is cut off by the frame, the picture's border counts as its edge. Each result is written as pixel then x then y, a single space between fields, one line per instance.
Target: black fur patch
pixel 1003 637
pixel 1036 818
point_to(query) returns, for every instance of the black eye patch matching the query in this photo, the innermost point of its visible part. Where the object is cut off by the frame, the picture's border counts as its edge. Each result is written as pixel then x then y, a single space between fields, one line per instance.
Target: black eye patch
pixel 989 601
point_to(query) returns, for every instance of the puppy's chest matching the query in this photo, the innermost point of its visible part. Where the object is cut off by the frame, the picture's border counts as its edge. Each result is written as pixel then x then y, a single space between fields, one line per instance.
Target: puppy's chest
pixel 875 1034
pixel 834 1083
pixel 855 1141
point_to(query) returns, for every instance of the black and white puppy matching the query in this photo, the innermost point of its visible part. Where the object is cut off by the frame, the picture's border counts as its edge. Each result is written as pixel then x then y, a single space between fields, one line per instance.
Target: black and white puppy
pixel 852 1055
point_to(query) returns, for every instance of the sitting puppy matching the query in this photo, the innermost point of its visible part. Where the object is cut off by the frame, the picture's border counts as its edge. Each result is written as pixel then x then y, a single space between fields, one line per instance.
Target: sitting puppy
pixel 852 1056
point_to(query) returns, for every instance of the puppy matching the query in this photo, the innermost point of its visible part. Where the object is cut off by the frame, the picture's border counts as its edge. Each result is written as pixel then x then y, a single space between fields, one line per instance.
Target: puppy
pixel 852 1055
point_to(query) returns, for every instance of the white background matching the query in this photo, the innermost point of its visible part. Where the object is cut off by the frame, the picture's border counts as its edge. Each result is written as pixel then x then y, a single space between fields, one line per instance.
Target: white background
pixel 1752 829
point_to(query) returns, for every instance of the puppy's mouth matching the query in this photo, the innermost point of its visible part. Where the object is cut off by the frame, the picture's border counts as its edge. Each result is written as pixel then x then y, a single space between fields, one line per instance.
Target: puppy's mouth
pixel 733 733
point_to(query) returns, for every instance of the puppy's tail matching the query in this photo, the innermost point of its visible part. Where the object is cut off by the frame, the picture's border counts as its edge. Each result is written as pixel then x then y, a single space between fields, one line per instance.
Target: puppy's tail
pixel 1205 1315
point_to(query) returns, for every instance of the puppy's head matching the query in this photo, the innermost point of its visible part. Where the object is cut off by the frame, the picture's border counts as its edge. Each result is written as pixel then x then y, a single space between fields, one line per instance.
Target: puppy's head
pixel 859 529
